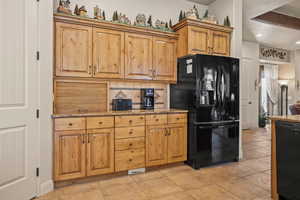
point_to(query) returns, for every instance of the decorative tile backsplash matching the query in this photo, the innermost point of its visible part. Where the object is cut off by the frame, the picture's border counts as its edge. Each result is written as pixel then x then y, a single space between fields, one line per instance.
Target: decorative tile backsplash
pixel 131 90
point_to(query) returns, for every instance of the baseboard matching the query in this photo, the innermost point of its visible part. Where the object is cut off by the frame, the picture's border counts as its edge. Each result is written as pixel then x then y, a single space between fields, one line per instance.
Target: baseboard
pixel 46 187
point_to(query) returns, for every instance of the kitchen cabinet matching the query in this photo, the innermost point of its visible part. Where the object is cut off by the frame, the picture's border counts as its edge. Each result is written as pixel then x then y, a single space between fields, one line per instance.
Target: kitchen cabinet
pixel 164 59
pixel 108 53
pixel 100 49
pixel 156 145
pixel 100 151
pixel 73 49
pixel 197 37
pixel 70 154
pixel 177 143
pixel 167 143
pixel 94 145
pixel 138 56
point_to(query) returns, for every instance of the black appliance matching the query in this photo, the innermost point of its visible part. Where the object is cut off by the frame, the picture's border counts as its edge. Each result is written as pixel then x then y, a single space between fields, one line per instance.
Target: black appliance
pixel 147 98
pixel 208 87
pixel 121 104
pixel 287 158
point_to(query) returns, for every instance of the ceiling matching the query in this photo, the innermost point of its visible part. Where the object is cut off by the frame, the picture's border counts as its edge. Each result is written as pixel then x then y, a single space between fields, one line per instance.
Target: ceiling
pixel 271 35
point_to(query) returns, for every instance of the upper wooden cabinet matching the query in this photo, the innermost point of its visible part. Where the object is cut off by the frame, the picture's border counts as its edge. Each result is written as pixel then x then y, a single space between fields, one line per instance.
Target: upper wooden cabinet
pixel 197 37
pixel 101 49
pixel 108 53
pixel 138 56
pixel 164 59
pixel 73 50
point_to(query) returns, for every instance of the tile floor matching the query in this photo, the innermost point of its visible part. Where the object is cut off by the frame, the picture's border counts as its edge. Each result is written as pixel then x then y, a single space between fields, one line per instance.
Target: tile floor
pixel 248 179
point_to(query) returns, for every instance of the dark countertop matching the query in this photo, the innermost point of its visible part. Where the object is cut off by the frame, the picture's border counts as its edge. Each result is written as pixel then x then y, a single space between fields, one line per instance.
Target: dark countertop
pixel 118 113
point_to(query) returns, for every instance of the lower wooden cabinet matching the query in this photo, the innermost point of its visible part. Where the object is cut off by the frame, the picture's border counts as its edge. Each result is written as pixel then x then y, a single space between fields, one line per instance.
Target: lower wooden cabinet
pixel 166 144
pixel 70 154
pixel 100 151
pixel 156 145
pixel 92 146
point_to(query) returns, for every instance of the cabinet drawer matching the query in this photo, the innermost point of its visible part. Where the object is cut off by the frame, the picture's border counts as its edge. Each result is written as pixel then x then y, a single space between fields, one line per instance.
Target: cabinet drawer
pixel 64 124
pixel 177 118
pixel 130 143
pixel 156 119
pixel 129 132
pixel 100 122
pixel 134 120
pixel 129 159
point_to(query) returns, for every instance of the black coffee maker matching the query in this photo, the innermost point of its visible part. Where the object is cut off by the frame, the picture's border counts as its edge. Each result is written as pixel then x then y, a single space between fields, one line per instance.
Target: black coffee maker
pixel 147 98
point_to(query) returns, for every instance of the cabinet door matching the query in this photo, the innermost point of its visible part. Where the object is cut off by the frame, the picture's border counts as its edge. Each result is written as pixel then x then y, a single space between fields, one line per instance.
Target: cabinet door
pixel 73 50
pixel 164 59
pixel 220 43
pixel 198 40
pixel 156 146
pixel 70 155
pixel 100 151
pixel 108 53
pixel 138 56
pixel 177 143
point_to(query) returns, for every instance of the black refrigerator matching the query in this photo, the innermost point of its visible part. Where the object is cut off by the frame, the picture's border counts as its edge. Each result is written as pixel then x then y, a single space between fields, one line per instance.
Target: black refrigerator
pixel 208 87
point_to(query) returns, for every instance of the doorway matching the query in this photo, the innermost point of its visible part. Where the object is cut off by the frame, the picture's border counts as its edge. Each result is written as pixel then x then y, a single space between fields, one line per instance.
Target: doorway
pixel 19 144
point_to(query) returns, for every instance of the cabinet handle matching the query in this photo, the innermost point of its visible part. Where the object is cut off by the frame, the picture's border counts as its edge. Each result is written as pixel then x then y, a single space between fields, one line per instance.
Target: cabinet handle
pixel 167 132
pixel 90 69
pixel 88 137
pixel 82 139
pixel 95 69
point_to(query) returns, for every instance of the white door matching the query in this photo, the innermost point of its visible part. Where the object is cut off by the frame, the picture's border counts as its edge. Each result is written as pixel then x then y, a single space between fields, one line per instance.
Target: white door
pixel 249 93
pixel 18 99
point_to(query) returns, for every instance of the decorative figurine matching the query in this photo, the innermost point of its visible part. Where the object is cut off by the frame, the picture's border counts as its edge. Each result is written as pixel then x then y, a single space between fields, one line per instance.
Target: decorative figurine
pixel 115 17
pixel 149 22
pixel 140 20
pixel 82 11
pixel 196 12
pixel 191 14
pixel 124 19
pixel 180 16
pixel 205 14
pixel 64 7
pixel 98 14
pixel 227 21
pixel 76 10
pixel 170 24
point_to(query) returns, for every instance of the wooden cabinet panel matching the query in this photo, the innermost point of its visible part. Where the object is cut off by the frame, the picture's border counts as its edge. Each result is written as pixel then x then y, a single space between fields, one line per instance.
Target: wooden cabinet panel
pixel 73 50
pixel 129 132
pixel 138 56
pixel 177 118
pixel 130 159
pixel 156 119
pixel 130 143
pixel 177 143
pixel 133 120
pixel 100 122
pixel 65 124
pixel 156 145
pixel 108 53
pixel 100 151
pixel 198 40
pixel 164 59
pixel 220 43
pixel 70 154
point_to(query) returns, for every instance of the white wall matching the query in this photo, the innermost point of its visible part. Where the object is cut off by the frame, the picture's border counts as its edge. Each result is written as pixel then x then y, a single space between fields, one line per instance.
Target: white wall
pixel 46 66
pixel 163 10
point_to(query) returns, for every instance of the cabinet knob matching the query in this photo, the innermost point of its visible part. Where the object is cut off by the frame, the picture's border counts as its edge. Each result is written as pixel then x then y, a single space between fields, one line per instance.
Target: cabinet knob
pixel 130 121
pixel 70 124
pixel 100 122
pixel 130 132
pixel 142 118
pixel 130 160
pixel 130 144
pixel 157 120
